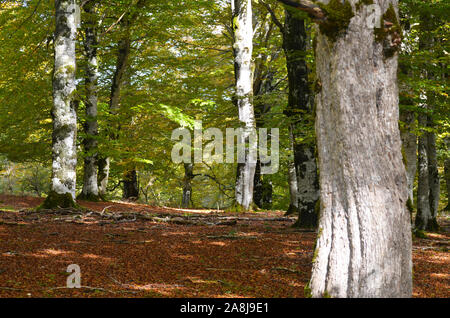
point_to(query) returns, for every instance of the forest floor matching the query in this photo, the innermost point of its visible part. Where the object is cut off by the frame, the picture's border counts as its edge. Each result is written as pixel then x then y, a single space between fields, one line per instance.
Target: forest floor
pixel 134 250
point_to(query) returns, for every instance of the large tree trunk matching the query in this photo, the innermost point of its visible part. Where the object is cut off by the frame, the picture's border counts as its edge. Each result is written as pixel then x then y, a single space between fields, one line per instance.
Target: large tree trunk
pixel 64 155
pixel 299 111
pixel 90 184
pixel 243 48
pixel 409 144
pixel 364 243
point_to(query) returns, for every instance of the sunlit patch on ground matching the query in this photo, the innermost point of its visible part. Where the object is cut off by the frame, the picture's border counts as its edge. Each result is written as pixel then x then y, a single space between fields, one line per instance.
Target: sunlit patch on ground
pixel 253 258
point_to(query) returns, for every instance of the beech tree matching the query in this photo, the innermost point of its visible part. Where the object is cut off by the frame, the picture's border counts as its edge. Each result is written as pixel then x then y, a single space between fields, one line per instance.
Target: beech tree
pixel 364 243
pixel 64 155
pixel 243 49
pixel 90 184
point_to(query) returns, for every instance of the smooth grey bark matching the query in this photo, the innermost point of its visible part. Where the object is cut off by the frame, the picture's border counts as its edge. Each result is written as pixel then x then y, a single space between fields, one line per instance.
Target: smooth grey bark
pixel 364 243
pixel 299 111
pixel 90 184
pixel 409 144
pixel 292 179
pixel 64 156
pixel 423 215
pixel 242 49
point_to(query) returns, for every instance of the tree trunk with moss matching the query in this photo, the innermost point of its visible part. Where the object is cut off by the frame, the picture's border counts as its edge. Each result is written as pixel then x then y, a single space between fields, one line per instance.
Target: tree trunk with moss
pixel 90 184
pixel 243 48
pixel 300 114
pixel 364 244
pixel 64 155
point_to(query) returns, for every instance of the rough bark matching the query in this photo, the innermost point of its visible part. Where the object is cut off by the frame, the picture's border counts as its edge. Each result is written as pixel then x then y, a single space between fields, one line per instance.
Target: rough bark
pixel 299 111
pixel 64 156
pixel 90 184
pixel 409 146
pixel 243 48
pixel 364 243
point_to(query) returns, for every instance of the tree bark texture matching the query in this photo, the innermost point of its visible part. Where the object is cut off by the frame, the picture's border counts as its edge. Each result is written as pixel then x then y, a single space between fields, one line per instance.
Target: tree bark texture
pixel 90 183
pixel 64 156
pixel 243 48
pixel 364 242
pixel 299 111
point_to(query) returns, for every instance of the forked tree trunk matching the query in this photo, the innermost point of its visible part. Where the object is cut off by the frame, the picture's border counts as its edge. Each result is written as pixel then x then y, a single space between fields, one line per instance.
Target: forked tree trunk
pixel 364 243
pixel 64 155
pixel 90 184
pixel 243 48
pixel 299 111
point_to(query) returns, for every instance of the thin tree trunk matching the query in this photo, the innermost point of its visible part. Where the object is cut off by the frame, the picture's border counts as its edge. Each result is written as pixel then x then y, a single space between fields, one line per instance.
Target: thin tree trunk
pixel 292 179
pixel 364 243
pixel 187 185
pixel 90 184
pixel 131 185
pixel 409 144
pixel 243 48
pixel 123 54
pixel 447 173
pixel 262 85
pixel 423 215
pixel 433 175
pixel 64 155
pixel 299 110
